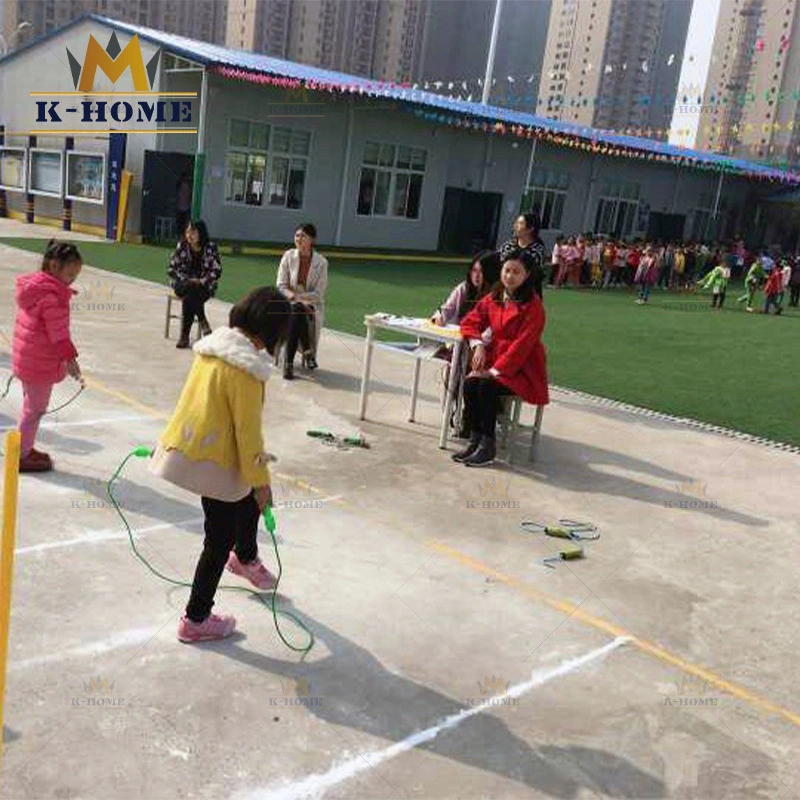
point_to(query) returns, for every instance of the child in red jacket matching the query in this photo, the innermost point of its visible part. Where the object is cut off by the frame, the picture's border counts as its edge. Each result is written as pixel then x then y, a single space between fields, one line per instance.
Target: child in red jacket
pixel 773 290
pixel 42 350
pixel 513 362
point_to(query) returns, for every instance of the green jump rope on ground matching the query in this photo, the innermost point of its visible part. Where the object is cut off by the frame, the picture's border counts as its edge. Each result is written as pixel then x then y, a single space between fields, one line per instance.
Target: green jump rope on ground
pixel 269 524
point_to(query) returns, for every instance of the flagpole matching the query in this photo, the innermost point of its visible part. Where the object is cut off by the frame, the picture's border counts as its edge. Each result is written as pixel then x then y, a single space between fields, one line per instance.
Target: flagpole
pixel 487 81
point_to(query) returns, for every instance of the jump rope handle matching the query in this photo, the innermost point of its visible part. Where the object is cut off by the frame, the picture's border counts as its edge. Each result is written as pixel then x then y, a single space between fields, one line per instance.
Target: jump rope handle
pixel 269 519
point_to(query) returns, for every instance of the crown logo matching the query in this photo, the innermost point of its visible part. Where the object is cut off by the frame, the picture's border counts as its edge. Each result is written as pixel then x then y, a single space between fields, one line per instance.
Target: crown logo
pixel 99 290
pixel 691 488
pixel 299 95
pixel 494 488
pixel 295 487
pixel 691 685
pixel 99 686
pixel 691 89
pixel 493 686
pixel 299 685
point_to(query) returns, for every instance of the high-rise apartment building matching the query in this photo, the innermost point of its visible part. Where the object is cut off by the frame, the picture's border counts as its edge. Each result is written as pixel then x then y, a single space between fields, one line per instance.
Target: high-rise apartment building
pixel 751 102
pixel 197 19
pixel 457 34
pixel 378 38
pixel 614 64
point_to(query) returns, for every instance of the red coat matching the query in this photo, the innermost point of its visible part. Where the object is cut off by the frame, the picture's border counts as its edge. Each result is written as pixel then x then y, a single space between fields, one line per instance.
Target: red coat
pixel 42 344
pixel 516 350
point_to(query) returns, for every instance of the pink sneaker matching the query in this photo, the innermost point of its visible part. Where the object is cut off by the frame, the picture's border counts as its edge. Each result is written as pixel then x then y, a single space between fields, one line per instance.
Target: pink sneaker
pixel 255 572
pixel 212 627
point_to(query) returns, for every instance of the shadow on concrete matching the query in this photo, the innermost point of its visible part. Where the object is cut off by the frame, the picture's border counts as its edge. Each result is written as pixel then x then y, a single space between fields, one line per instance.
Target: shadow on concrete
pixel 340 381
pixel 9 735
pixel 357 692
pixel 133 497
pixel 577 466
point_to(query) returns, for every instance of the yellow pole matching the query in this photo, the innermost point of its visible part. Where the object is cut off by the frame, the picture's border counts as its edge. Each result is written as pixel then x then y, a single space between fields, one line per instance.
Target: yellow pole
pixel 10 486
pixel 122 208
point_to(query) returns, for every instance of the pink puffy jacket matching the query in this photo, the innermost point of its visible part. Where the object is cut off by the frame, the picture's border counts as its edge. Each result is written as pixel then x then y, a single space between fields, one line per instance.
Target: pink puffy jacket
pixel 42 345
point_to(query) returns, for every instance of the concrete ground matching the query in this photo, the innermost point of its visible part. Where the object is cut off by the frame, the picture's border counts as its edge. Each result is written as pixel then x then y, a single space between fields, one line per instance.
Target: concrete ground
pixel 449 662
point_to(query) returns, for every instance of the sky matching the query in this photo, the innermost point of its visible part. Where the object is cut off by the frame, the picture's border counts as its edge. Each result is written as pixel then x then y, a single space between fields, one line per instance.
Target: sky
pixel 696 61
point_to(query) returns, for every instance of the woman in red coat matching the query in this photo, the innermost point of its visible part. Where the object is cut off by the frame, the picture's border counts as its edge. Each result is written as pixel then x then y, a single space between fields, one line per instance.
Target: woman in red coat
pixel 513 362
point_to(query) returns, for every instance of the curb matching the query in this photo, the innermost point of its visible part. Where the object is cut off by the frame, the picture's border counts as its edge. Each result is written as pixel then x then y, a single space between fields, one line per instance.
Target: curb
pixel 706 427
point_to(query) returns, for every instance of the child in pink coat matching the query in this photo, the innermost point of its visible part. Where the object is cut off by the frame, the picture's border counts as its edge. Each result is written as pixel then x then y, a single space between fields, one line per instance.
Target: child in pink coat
pixel 42 353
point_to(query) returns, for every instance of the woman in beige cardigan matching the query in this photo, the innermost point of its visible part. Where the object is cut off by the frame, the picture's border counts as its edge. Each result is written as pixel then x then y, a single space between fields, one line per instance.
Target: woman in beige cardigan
pixel 303 278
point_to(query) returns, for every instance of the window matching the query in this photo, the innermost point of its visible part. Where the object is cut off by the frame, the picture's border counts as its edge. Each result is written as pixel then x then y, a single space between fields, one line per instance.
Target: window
pixel 266 164
pixel 391 180
pixel 547 192
pixel 617 208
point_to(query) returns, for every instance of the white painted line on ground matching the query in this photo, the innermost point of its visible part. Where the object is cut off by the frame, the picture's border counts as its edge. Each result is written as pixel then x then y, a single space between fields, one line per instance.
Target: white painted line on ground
pixel 317 785
pixel 92 537
pixel 84 423
pixel 127 639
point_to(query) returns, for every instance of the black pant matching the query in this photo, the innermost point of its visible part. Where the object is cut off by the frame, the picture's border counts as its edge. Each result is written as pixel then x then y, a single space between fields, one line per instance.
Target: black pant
pixel 227 525
pixel 717 299
pixel 300 322
pixel 194 298
pixel 481 400
pixel 795 295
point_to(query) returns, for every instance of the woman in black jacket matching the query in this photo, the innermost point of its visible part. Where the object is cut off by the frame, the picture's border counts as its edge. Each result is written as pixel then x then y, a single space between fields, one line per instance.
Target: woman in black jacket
pixel 194 272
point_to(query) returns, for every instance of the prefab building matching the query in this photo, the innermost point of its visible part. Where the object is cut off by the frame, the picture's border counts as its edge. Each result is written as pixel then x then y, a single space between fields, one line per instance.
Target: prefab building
pixel 261 144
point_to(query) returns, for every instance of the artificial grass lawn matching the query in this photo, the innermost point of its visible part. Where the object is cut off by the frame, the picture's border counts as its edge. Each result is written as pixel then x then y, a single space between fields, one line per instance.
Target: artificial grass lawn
pixel 729 368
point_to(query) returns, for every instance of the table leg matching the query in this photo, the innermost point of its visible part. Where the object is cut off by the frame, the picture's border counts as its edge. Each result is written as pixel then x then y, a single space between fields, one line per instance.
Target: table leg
pixel 415 389
pixel 365 375
pixel 451 390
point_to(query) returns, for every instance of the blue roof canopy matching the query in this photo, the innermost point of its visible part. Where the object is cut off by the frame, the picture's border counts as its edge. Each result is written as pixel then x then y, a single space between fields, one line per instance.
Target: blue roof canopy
pixel 212 55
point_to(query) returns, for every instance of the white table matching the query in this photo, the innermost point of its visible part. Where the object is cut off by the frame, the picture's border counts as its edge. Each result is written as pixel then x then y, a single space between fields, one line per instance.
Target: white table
pixel 422 329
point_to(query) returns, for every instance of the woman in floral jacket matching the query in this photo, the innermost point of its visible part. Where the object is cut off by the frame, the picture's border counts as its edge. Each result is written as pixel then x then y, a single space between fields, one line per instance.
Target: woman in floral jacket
pixel 194 272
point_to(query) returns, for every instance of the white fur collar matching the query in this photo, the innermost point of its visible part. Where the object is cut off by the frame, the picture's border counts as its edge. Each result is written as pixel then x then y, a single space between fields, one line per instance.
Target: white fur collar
pixel 234 348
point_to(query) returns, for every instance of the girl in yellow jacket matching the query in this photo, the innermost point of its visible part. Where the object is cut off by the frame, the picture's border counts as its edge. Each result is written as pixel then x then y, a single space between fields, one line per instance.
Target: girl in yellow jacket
pixel 213 447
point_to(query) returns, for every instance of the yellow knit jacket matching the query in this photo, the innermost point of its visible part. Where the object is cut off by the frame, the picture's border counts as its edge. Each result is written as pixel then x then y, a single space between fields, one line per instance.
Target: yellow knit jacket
pixel 218 415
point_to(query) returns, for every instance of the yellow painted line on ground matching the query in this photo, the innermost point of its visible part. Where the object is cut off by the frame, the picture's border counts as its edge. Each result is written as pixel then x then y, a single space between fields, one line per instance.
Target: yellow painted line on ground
pixel 612 629
pixel 563 606
pixel 99 386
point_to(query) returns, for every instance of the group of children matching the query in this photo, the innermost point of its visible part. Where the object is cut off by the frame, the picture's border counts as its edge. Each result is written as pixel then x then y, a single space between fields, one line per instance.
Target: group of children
pixel 602 262
pixel 213 445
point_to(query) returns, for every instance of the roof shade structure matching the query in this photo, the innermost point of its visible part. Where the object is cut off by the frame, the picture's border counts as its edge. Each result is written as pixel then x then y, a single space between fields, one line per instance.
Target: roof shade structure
pixel 262 69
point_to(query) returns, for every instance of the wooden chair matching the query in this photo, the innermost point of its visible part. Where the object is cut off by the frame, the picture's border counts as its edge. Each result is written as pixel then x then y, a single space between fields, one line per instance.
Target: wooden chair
pixel 510 428
pixel 173 298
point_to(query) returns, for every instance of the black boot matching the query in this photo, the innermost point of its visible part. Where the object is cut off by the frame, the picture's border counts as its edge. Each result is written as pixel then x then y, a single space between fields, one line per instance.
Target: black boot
pixel 183 341
pixel 187 320
pixel 483 455
pixel 288 371
pixel 474 442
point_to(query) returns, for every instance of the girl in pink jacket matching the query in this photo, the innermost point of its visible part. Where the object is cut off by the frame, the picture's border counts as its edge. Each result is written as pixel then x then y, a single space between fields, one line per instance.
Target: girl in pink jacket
pixel 42 353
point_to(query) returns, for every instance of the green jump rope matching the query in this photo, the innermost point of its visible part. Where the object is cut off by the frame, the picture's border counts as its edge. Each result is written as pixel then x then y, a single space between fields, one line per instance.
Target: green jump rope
pixel 269 524
pixel 7 389
pixel 574 532
pixel 74 397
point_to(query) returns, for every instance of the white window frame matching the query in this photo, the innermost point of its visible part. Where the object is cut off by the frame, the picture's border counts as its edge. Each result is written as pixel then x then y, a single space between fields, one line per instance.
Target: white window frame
pixel 268 154
pixel 78 198
pixel 393 171
pixel 547 191
pixel 24 150
pixel 60 154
